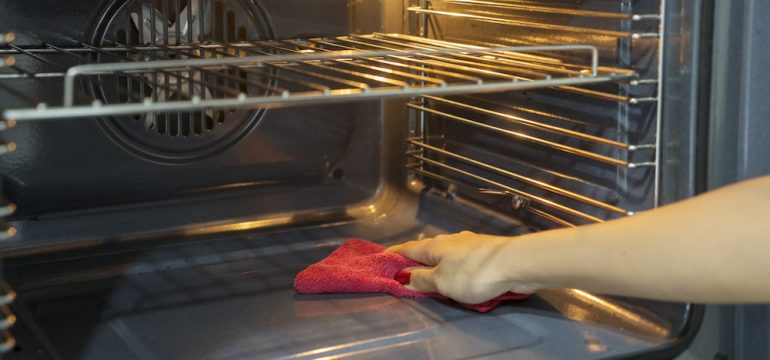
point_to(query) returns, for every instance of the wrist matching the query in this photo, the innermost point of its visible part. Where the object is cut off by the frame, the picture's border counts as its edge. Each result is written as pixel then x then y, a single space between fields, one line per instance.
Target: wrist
pixel 544 260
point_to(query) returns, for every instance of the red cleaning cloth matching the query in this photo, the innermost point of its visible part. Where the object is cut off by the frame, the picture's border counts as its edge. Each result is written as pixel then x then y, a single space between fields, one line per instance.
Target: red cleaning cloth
pixel 361 267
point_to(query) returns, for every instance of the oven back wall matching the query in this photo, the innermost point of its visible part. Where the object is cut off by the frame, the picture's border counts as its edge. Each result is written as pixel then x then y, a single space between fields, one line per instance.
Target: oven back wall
pixel 85 164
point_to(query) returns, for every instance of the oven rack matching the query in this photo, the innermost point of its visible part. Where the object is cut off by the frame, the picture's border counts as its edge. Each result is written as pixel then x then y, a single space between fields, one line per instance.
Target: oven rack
pixel 7 231
pixel 542 188
pixel 7 340
pixel 534 139
pixel 467 180
pixel 502 13
pixel 267 74
pixel 425 152
pixel 561 198
pixel 537 60
pixel 533 8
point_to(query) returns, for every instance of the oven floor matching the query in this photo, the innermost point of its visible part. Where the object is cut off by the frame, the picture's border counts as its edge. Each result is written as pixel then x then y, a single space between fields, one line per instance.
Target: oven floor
pixel 233 298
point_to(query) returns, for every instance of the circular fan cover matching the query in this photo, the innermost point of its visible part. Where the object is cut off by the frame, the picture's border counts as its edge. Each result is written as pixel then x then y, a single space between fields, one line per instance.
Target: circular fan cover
pixel 168 24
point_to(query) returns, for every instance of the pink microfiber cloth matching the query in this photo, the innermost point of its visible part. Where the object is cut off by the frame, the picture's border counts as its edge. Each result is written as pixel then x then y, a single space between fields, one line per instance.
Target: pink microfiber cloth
pixel 361 267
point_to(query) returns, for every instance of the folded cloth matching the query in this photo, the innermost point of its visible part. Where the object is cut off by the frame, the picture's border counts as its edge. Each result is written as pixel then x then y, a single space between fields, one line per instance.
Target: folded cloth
pixel 359 267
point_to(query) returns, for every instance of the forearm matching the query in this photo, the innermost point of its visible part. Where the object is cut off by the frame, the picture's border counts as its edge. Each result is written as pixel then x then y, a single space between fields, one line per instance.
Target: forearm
pixel 713 248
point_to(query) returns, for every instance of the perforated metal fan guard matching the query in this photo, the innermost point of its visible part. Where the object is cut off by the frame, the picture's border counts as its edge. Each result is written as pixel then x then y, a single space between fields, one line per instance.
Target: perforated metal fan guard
pixel 182 136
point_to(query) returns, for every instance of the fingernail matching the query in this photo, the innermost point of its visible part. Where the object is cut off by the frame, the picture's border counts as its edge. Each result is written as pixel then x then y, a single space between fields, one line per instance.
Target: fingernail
pixel 403 277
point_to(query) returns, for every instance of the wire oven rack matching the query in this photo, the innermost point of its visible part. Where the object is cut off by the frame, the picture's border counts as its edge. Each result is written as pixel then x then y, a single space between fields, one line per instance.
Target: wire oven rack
pixel 547 190
pixel 288 73
pixel 7 231
pixel 527 185
pixel 502 10
pixel 7 341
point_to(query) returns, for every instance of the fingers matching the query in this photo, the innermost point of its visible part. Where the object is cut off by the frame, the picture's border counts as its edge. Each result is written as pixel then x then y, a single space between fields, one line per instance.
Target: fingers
pixel 422 280
pixel 415 250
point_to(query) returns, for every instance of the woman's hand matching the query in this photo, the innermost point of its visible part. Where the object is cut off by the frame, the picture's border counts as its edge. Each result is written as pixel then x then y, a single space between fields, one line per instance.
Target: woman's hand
pixel 467 267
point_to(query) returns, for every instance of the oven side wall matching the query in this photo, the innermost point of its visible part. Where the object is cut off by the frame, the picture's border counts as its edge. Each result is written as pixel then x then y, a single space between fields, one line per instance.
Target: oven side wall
pixel 737 149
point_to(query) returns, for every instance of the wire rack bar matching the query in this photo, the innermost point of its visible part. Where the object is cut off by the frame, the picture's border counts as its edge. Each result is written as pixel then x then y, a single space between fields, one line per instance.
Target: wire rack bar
pixel 529 60
pixel 531 139
pixel 520 23
pixel 529 111
pixel 464 161
pixel 520 177
pixel 532 24
pixel 556 62
pixel 8 341
pixel 7 231
pixel 533 124
pixel 8 296
pixel 552 10
pixel 487 62
pixel 8 318
pixel 534 198
pixel 548 63
pixel 257 61
pixel 323 70
pixel 460 183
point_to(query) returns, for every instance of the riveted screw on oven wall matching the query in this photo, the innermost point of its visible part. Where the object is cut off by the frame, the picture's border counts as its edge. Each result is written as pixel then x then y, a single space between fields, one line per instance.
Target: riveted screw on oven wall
pixel 518 203
pixel 451 192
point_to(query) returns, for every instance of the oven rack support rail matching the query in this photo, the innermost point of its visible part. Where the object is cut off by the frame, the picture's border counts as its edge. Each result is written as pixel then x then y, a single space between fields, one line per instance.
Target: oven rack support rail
pixel 556 201
pixel 502 19
pixel 525 186
pixel 7 341
pixel 270 74
pixel 7 295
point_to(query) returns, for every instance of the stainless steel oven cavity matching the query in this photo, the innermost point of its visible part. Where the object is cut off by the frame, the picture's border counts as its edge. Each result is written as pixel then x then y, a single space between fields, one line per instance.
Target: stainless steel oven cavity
pixel 179 161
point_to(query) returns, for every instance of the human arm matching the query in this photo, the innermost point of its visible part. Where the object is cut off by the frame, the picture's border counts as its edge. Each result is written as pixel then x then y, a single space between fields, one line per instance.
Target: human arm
pixel 713 248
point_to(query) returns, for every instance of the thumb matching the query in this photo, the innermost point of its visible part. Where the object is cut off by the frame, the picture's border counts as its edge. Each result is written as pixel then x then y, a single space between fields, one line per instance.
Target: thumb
pixel 422 280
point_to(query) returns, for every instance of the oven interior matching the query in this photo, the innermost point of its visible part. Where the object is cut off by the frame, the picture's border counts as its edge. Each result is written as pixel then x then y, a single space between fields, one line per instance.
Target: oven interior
pixel 170 165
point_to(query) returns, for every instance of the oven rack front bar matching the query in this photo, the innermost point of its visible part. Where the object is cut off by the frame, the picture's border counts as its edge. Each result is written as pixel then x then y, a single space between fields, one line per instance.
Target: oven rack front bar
pixel 268 74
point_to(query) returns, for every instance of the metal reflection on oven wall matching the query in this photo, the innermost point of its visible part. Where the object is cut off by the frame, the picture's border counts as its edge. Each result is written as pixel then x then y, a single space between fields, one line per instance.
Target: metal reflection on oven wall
pixel 586 307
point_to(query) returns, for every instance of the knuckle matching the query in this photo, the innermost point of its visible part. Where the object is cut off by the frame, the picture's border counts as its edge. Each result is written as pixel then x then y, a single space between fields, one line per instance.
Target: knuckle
pixel 433 246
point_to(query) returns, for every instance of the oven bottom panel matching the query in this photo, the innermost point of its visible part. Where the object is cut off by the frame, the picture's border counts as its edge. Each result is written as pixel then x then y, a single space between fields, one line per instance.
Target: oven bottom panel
pixel 233 298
